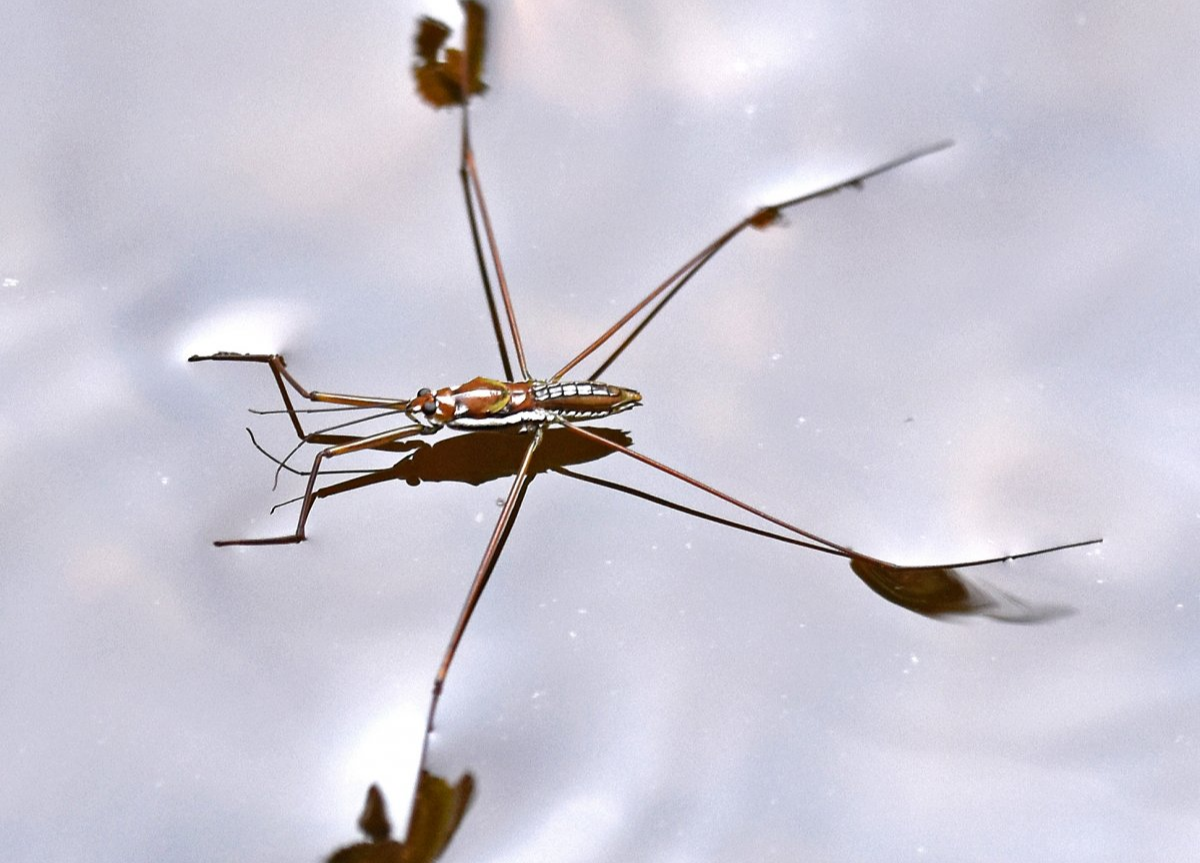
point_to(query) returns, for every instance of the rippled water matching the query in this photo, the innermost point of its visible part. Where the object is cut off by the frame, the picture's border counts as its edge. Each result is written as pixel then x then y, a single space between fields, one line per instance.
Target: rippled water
pixel 987 351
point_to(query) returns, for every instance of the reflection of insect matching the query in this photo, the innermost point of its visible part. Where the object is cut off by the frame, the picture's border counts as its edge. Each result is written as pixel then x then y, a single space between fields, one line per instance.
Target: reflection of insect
pixel 532 405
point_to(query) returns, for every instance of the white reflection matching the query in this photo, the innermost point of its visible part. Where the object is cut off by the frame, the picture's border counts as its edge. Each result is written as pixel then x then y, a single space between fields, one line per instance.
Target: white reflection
pixel 573 831
pixel 259 326
pixel 386 754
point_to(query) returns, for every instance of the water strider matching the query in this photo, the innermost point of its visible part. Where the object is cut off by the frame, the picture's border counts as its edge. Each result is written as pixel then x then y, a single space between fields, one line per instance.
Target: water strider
pixel 529 406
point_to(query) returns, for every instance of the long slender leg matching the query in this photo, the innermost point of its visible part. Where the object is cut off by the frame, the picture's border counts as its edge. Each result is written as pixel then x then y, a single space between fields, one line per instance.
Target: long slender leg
pixel 468 166
pixel 670 471
pixel 836 548
pixel 451 76
pixel 929 591
pixel 470 173
pixel 486 565
pixel 310 493
pixel 694 513
pixel 279 370
pixel 658 307
pixel 761 218
pixel 493 313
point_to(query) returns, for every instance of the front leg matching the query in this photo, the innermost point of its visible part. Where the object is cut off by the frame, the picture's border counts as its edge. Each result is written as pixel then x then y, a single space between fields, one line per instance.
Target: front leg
pixel 279 370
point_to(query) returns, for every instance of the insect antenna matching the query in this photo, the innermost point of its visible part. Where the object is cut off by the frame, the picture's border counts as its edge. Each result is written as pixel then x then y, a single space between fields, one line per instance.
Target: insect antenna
pixel 295 499
pixel 315 437
pixel 298 472
pixel 269 411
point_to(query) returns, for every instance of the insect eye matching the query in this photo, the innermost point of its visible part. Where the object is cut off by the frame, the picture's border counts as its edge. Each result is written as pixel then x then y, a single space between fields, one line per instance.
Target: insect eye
pixel 429 408
pixel 423 391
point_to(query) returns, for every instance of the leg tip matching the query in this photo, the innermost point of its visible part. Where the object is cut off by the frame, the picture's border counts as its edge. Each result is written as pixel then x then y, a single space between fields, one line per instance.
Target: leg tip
pixel 271 540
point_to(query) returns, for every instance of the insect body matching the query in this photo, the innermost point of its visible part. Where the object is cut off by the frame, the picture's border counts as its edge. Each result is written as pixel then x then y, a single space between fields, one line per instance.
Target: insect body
pixel 483 403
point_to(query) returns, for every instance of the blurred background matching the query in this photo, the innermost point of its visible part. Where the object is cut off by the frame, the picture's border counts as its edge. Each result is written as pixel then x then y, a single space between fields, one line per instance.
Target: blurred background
pixel 987 351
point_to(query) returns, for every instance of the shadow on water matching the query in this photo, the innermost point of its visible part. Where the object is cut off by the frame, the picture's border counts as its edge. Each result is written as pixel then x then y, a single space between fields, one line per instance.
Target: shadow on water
pixel 475 458
pixel 940 592
pixel 478 457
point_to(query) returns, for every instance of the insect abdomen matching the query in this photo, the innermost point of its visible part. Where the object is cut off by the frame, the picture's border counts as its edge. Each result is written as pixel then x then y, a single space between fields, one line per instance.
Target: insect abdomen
pixel 584 399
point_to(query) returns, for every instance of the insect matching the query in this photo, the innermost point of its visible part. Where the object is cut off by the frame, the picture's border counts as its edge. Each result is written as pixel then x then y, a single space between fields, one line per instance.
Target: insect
pixel 527 409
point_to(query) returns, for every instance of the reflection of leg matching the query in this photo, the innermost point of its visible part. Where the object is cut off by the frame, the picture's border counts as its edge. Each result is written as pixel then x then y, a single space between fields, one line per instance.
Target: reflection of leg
pixel 310 493
pixel 507 515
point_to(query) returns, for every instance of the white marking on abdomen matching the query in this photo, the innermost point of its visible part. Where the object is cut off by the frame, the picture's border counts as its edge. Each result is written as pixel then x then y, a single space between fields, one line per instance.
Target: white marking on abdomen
pixel 533 415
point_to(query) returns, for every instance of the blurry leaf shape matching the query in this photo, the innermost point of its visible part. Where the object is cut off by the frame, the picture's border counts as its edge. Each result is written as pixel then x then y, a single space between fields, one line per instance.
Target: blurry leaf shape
pixel 476 44
pixel 374 819
pixel 431 35
pixel 439 72
pixel 935 592
pixel 438 809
